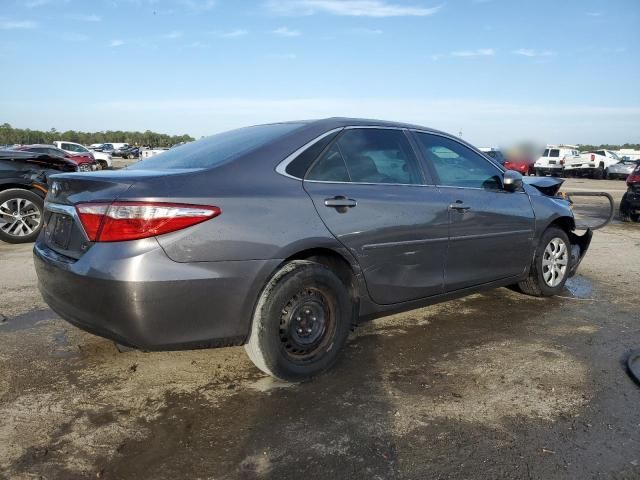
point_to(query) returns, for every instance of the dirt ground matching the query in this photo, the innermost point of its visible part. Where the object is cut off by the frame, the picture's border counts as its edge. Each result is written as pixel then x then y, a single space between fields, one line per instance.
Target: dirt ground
pixel 496 385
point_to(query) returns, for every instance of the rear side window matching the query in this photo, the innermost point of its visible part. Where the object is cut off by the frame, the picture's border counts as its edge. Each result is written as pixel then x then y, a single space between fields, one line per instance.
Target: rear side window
pixel 379 156
pixel 554 153
pixel 330 167
pixel 216 149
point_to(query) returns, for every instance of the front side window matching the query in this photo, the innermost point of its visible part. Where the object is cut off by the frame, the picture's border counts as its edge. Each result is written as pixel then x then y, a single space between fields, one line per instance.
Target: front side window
pixel 457 165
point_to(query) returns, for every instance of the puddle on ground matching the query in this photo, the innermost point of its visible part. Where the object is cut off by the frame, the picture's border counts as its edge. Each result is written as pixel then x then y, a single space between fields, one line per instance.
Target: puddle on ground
pixel 26 320
pixel 579 287
pixel 63 347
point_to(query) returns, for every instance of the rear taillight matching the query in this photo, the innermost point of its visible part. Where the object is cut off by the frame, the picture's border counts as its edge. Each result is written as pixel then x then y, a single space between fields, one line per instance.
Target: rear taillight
pixel 562 162
pixel 121 221
pixel 633 178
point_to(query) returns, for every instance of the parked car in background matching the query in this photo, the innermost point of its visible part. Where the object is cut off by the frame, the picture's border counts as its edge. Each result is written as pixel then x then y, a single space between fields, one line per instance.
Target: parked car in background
pixel 23 185
pixel 121 151
pixel 283 236
pixel 622 169
pixel 594 164
pixel 554 158
pixel 494 153
pixel 630 203
pixel 108 148
pixel 95 147
pixel 84 161
pixel 103 158
pixel 146 152
pixel 130 153
pixel 520 162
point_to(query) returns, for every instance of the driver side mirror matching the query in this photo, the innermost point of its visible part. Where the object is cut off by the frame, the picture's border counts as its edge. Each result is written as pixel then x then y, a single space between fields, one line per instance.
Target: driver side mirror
pixel 512 181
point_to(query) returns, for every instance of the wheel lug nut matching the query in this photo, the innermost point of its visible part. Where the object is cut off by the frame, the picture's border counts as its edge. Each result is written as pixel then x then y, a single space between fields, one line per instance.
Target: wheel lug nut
pixel 307 312
pixel 298 319
pixel 299 330
pixel 313 319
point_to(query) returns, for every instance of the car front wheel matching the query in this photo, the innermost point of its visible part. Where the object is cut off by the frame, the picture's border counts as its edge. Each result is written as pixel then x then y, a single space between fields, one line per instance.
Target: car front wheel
pixel 21 215
pixel 551 265
pixel 301 322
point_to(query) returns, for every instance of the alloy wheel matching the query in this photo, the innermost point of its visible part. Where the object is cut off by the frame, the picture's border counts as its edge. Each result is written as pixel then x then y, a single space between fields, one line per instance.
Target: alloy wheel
pixel 19 217
pixel 555 260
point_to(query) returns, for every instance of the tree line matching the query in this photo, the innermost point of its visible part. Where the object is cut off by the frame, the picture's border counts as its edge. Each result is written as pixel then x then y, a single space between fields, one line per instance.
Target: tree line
pixel 633 146
pixel 25 136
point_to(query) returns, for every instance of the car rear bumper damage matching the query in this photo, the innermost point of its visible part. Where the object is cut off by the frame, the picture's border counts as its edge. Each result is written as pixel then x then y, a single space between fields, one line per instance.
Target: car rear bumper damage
pixel 138 297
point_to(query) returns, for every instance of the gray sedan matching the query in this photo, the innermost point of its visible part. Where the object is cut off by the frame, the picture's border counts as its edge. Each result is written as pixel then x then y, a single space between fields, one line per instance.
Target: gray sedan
pixel 282 237
pixel 621 170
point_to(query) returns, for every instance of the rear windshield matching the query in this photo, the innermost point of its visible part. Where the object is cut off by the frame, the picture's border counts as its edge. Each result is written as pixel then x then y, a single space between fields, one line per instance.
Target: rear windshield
pixel 216 149
pixel 554 153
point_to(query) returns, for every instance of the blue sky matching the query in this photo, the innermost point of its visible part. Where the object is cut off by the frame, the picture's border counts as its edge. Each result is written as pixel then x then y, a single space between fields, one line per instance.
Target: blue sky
pixel 496 70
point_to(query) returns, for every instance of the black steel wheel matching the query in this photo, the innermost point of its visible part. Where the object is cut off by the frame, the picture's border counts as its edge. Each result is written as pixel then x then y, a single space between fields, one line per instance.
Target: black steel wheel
pixel 301 322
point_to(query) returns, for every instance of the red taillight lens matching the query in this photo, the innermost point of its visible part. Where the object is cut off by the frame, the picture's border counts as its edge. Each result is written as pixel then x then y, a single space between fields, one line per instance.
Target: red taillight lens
pixel 121 221
pixel 633 178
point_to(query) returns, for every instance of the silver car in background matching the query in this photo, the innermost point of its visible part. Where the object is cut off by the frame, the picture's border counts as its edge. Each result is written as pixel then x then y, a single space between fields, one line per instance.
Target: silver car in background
pixel 282 237
pixel 622 169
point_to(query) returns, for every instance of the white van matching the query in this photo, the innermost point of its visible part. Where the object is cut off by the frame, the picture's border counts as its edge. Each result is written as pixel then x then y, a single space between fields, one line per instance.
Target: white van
pixel 554 158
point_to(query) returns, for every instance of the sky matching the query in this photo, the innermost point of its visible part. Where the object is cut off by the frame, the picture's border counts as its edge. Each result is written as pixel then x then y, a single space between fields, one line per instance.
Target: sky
pixel 494 71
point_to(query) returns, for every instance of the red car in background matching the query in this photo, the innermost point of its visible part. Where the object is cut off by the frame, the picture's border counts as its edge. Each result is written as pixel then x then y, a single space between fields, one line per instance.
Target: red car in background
pixel 520 162
pixel 84 161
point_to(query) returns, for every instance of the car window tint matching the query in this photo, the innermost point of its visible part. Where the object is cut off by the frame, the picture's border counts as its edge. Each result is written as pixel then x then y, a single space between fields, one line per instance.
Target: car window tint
pixel 217 149
pixel 330 167
pixel 379 156
pixel 546 153
pixel 554 153
pixel 458 165
pixel 298 168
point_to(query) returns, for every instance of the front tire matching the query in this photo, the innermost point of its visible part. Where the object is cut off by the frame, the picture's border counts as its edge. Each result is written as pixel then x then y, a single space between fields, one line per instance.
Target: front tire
pixel 551 265
pixel 21 215
pixel 301 322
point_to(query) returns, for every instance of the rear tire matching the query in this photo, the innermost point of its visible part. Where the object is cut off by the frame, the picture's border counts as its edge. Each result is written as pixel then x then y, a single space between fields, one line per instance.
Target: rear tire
pixel 598 173
pixel 103 165
pixel 551 265
pixel 301 322
pixel 30 208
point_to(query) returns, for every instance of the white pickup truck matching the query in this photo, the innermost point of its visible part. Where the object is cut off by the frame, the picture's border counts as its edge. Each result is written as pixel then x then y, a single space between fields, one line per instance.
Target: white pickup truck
pixel 593 164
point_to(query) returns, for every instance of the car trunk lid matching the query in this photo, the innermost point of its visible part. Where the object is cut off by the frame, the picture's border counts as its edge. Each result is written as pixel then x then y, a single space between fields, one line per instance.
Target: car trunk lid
pixel 63 230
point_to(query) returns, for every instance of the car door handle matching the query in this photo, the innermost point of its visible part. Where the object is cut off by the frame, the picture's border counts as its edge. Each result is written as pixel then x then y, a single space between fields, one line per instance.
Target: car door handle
pixel 459 206
pixel 340 202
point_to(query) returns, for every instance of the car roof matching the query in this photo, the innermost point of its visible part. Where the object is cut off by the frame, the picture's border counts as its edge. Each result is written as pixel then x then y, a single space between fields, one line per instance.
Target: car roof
pixel 337 122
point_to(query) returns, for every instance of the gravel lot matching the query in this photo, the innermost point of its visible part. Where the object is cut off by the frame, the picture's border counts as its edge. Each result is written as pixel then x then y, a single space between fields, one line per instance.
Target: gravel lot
pixel 496 385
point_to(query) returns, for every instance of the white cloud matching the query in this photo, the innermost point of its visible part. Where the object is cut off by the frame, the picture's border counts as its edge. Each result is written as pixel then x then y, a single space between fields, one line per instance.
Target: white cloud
pixel 594 14
pixel 366 31
pixel 286 32
pixel 483 121
pixel 239 32
pixel 171 35
pixel 529 52
pixel 17 24
pixel 116 43
pixel 92 18
pixel 356 8
pixel 480 52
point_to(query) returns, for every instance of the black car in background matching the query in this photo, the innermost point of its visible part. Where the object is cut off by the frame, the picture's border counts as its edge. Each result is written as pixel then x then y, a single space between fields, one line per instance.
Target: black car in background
pixel 630 204
pixel 24 180
pixel 128 152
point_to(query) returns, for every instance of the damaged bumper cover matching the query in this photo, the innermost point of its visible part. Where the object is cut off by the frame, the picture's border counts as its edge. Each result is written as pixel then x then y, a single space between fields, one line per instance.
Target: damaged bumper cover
pixel 579 246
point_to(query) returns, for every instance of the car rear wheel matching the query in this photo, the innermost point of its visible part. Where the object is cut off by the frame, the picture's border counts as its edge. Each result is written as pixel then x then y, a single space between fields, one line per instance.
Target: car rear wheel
pixel 21 215
pixel 551 265
pixel 301 322
pixel 598 173
pixel 103 165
